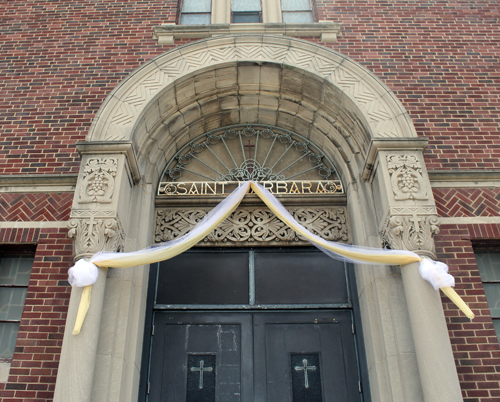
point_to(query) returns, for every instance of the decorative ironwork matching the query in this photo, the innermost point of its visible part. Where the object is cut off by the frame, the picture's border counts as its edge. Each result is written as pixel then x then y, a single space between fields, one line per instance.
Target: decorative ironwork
pixel 271 154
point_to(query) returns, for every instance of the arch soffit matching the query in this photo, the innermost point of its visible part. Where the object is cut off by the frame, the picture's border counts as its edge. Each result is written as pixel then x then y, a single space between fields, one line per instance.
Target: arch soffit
pixel 363 100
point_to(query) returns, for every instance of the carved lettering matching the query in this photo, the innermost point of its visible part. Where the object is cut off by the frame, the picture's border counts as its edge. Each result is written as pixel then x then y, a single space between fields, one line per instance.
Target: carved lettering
pixel 275 187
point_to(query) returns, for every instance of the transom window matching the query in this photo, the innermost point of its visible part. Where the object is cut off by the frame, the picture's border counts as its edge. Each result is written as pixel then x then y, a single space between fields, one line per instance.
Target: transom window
pixel 252 279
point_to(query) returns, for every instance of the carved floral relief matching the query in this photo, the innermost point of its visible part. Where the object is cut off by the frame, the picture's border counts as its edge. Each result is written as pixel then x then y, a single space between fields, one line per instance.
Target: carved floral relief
pixel 94 234
pixel 406 177
pixel 258 225
pixel 414 233
pixel 98 180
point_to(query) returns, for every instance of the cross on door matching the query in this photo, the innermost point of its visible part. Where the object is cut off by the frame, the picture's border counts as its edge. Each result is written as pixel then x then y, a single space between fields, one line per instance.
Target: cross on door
pixel 305 368
pixel 201 369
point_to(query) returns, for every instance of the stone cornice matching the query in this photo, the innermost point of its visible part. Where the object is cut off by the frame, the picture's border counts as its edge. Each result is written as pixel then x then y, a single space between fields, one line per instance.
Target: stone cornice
pixel 167 33
pixel 390 144
pixel 113 147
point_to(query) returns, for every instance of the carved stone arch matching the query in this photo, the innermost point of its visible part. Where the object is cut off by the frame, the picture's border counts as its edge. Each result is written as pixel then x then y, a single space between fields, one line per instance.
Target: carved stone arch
pixel 360 101
pixel 289 83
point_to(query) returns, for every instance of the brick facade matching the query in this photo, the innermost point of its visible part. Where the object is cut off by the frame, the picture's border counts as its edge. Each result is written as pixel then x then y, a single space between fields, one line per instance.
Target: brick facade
pixel 34 365
pixel 475 345
pixel 60 60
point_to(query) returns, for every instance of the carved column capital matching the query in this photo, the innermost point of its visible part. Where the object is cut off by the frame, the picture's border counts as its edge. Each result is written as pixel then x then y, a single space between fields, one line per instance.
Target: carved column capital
pixel 413 232
pixel 95 231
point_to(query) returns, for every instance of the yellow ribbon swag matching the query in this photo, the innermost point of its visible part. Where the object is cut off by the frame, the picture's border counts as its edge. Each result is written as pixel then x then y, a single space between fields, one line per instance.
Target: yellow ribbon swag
pixel 211 221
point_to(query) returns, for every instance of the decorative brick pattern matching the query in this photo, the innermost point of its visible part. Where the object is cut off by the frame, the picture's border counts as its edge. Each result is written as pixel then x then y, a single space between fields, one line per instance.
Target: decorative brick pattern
pixel 36 356
pixel 467 201
pixel 35 207
pixel 475 345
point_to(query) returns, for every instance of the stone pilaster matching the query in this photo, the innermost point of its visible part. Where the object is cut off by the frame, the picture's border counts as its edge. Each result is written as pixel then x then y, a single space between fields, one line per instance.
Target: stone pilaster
pixel 408 221
pixel 107 171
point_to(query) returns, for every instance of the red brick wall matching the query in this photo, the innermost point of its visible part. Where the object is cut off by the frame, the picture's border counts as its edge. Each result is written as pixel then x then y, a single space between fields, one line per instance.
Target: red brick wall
pixel 59 60
pixel 475 345
pixel 36 356
pixel 442 60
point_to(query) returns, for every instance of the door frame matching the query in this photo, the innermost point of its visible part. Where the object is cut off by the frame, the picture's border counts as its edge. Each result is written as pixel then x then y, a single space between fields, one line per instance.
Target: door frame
pixel 355 312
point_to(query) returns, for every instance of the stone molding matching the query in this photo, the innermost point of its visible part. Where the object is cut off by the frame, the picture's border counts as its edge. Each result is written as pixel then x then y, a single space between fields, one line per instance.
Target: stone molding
pixel 121 112
pixel 38 183
pixel 95 231
pixel 326 30
pixel 406 177
pixel 257 226
pixel 467 178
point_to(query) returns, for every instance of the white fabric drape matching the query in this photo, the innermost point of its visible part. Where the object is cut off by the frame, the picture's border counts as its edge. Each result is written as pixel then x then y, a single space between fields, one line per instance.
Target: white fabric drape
pixel 84 273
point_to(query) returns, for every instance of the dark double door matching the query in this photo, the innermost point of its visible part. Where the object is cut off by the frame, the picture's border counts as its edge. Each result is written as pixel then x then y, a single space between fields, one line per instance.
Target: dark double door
pixel 284 334
pixel 254 356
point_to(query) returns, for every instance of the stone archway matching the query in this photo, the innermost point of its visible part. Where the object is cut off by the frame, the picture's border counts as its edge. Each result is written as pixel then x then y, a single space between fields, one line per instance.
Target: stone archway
pixel 338 105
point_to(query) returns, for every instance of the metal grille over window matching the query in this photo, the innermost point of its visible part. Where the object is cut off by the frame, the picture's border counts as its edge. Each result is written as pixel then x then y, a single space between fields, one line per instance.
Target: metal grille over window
pixel 488 263
pixel 246 11
pixel 15 271
pixel 196 12
pixel 215 162
pixel 297 11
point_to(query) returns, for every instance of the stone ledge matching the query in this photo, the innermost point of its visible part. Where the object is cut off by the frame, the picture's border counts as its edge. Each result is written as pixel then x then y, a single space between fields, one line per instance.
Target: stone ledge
pixel 167 33
pixel 39 180
pixel 464 175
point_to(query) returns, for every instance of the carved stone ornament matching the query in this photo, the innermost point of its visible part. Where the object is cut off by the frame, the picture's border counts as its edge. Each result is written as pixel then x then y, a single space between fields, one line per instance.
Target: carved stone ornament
pixel 98 180
pixel 94 234
pixel 406 177
pixel 412 232
pixel 256 225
